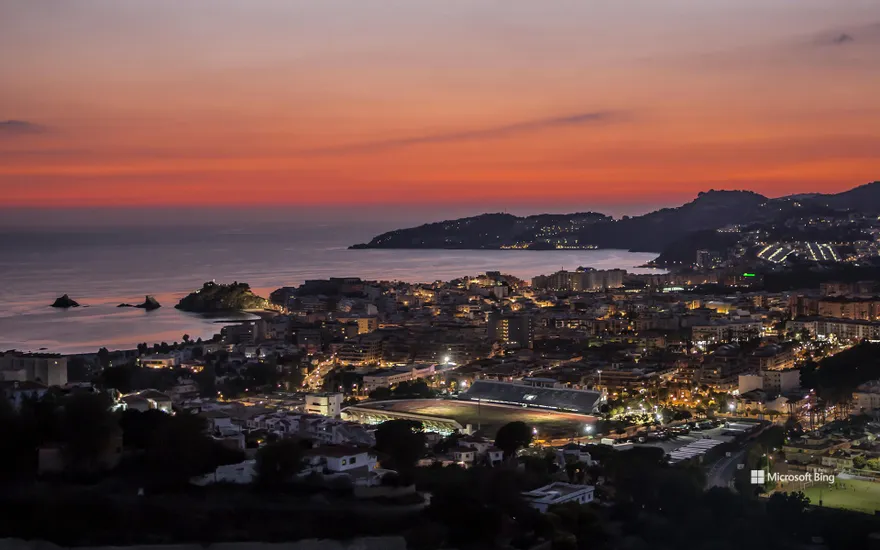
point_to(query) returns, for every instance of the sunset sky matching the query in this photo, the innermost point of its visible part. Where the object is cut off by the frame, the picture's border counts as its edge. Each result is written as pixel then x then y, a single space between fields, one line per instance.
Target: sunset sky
pixel 457 105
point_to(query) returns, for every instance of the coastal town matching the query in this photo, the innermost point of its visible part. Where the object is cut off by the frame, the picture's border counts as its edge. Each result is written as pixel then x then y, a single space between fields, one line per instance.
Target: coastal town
pixel 381 392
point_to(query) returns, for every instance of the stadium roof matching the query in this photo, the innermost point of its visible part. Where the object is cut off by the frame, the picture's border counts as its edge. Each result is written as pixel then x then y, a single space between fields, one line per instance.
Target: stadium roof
pixel 512 393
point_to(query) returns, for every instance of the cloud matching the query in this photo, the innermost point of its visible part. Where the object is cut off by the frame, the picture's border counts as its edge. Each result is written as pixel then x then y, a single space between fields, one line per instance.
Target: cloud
pixel 19 128
pixel 494 132
pixel 842 39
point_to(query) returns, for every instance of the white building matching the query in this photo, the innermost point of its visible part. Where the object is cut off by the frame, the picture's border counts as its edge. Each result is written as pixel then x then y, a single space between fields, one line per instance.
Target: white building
pixel 325 404
pixel 770 381
pixel 339 459
pixel 867 396
pixel 45 368
pixel 242 473
pixel 726 331
pixel 749 382
pixel 463 455
pixel 558 493
pixel 160 361
pixel 392 377
pixel 781 381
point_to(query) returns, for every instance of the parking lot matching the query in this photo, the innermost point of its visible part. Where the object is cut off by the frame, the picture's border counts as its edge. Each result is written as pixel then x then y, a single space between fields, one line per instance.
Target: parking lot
pixel 721 433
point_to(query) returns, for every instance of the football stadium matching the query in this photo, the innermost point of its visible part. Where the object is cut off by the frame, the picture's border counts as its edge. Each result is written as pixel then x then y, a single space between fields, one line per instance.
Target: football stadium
pixel 554 413
pixel 535 392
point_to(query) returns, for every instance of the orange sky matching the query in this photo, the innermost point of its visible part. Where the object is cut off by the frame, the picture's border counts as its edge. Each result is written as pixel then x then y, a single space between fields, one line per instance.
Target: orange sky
pixel 381 102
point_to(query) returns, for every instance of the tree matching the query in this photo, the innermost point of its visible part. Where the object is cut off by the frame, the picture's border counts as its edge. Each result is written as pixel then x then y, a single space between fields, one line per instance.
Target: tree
pixel 89 430
pixel 179 449
pixel 403 441
pixel 278 462
pixel 381 394
pixel 119 378
pixel 139 428
pixel 104 357
pixel 788 510
pixel 513 436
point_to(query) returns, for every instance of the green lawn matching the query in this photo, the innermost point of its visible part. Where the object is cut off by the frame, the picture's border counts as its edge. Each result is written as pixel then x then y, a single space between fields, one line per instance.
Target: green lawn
pixel 849 494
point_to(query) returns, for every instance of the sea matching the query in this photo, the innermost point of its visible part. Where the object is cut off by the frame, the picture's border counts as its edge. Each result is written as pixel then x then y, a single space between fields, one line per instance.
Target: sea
pixel 102 267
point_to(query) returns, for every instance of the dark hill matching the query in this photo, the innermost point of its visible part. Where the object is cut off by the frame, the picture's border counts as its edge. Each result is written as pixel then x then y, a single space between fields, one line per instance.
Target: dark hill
pixel 483 231
pixel 655 231
pixel 652 232
pixel 864 198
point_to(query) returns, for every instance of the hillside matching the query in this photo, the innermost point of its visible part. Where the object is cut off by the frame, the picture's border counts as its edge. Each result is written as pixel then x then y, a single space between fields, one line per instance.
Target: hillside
pixel 864 198
pixel 487 231
pixel 652 232
pixel 216 298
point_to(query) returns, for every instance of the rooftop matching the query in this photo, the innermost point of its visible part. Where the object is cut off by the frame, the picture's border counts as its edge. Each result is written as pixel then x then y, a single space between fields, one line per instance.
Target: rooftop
pixel 552 492
pixel 336 451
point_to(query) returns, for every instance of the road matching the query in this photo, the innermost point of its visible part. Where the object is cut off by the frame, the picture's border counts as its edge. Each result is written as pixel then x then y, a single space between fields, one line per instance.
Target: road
pixel 721 473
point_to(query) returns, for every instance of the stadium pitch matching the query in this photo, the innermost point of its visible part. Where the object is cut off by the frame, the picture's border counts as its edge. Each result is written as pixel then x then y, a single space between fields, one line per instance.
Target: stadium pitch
pixel 549 424
pixel 848 494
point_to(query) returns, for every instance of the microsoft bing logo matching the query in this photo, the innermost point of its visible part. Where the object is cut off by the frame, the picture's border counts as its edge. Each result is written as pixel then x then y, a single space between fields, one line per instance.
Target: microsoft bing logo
pixel 758 477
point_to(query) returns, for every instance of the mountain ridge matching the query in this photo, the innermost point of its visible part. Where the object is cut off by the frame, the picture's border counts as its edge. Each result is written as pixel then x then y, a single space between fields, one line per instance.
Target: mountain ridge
pixel 650 232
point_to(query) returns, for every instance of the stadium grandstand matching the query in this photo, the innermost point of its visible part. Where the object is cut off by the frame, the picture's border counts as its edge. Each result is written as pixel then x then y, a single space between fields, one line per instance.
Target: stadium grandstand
pixel 529 394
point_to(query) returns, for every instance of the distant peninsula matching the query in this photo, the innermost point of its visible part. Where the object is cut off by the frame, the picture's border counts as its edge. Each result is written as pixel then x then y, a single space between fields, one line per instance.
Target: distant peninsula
pixel 218 298
pixel 149 304
pixel 65 302
pixel 673 233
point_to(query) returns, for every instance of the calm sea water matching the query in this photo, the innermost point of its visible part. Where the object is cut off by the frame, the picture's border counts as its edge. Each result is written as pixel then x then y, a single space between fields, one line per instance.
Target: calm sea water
pixel 103 267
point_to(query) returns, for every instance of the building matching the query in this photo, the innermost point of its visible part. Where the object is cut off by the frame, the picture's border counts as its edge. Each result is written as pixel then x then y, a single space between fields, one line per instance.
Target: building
pixel 391 377
pixel 840 307
pixel 528 395
pixel 581 280
pixel 770 381
pixel 325 404
pixel 47 368
pixel 159 361
pixel 721 370
pixel 558 493
pixel 704 259
pixel 339 459
pixel 365 325
pixel 239 333
pixel 511 329
pixel 781 381
pixel 772 357
pixel 867 397
pixel 363 351
pixel 848 330
pixel 243 473
pixel 726 331
pixel 145 400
